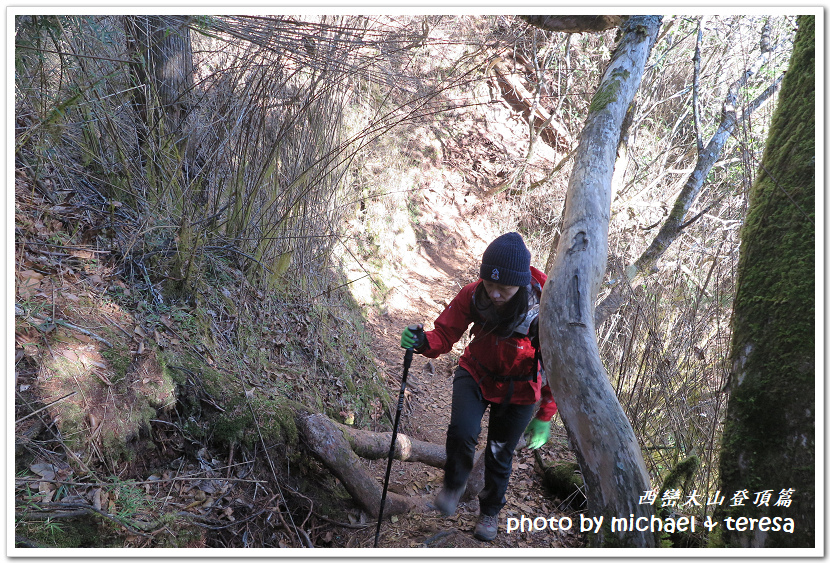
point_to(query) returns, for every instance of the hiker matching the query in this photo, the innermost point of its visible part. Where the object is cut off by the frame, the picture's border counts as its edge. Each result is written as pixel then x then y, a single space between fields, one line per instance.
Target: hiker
pixel 499 368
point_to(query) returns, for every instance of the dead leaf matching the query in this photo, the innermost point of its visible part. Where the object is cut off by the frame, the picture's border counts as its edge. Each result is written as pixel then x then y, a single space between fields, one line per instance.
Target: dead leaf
pixel 140 331
pixel 348 416
pixel 28 286
pixel 30 274
pixel 47 490
pixel 71 297
pixel 44 470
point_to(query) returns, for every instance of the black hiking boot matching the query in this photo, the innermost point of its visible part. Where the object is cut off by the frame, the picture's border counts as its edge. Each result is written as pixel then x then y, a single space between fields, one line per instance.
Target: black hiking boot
pixel 447 500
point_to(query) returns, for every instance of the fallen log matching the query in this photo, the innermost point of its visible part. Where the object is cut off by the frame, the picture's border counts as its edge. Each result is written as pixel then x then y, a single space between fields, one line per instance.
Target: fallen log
pixel 339 448
pixel 375 445
pixel 521 100
pixel 562 479
pixel 574 24
pixel 329 444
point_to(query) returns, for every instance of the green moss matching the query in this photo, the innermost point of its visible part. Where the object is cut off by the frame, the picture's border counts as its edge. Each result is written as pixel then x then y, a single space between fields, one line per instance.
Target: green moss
pixel 614 539
pixel 274 422
pixel 608 91
pixel 184 368
pixel 682 474
pixel 67 533
pixel 186 535
pixel 678 478
pixel 715 539
pixel 562 479
pixel 769 433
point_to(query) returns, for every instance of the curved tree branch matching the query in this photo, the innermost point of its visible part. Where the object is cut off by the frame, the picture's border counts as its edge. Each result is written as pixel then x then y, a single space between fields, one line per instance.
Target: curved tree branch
pixel 575 24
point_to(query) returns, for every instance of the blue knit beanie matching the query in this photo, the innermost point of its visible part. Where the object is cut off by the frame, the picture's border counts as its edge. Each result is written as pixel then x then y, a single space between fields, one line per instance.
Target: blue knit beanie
pixel 506 261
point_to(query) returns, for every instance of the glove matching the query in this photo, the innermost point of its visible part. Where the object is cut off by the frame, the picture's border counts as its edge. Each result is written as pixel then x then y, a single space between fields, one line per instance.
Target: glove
pixel 537 433
pixel 413 336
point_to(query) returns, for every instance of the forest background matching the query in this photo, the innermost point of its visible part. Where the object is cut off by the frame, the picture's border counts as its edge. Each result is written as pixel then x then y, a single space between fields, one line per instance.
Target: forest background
pixel 216 220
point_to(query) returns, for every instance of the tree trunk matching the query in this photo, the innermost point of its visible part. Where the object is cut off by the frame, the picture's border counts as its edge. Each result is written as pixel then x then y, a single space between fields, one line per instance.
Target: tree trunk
pixel 608 452
pixel 162 72
pixel 769 434
pixel 163 67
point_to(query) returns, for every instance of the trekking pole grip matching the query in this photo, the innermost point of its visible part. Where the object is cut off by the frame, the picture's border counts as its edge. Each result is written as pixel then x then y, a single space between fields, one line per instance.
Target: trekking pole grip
pixel 417 331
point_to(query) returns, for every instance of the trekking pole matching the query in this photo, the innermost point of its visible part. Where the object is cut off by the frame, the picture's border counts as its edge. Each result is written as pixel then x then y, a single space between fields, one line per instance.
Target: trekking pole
pixel 407 360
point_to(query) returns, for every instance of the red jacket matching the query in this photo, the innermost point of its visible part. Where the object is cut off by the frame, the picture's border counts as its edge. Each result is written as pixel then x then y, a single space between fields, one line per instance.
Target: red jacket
pixel 506 357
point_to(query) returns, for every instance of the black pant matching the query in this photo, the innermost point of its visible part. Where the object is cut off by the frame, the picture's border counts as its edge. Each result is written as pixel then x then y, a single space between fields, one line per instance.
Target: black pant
pixel 507 423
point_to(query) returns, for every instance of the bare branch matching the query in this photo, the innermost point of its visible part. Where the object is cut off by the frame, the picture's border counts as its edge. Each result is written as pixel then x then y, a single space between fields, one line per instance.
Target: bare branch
pixel 696 88
pixel 706 160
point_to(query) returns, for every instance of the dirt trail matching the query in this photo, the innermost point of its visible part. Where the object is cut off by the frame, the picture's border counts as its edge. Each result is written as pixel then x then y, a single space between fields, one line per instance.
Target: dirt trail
pixel 444 262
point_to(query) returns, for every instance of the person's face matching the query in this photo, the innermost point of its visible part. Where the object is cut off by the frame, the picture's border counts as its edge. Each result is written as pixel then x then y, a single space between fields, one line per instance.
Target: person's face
pixel 499 294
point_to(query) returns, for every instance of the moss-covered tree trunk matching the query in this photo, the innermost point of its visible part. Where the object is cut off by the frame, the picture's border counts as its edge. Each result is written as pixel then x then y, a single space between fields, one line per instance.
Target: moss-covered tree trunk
pixel 769 436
